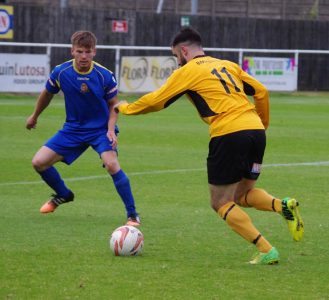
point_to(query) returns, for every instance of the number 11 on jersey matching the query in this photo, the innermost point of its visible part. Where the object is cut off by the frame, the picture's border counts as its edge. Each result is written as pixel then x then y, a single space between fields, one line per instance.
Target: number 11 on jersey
pixel 223 82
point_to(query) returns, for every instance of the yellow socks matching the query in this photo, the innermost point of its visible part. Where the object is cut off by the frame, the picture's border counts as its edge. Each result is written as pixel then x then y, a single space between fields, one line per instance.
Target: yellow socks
pixel 261 200
pixel 240 222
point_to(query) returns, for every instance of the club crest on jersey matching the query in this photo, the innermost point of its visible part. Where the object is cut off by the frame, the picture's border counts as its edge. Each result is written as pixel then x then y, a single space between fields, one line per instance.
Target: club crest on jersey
pixel 256 168
pixel 84 88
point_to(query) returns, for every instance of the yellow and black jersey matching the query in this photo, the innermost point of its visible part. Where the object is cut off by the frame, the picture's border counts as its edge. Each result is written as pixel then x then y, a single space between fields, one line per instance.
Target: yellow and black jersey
pixel 218 89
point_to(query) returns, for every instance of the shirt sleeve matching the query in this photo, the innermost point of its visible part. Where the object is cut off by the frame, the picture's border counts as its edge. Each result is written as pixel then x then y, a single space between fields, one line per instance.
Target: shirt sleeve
pixel 252 87
pixel 52 84
pixel 168 93
pixel 111 87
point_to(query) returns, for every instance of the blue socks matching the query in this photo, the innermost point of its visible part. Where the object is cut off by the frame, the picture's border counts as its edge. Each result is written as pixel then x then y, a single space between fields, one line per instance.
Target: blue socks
pixel 54 180
pixel 120 180
pixel 122 185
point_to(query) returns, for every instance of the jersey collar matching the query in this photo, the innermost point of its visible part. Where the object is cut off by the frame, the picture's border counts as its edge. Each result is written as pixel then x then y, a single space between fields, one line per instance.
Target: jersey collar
pixel 199 56
pixel 84 73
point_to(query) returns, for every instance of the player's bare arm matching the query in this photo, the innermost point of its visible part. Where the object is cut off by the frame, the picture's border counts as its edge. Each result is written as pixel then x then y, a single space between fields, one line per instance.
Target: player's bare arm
pixel 112 121
pixel 42 102
pixel 116 106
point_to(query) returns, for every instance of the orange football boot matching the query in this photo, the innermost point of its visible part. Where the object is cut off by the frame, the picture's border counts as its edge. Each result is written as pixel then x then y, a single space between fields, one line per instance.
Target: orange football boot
pixel 133 221
pixel 54 202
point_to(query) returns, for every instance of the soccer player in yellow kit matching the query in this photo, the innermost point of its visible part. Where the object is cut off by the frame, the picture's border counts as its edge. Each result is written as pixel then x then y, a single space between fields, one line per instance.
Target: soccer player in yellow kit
pixel 218 89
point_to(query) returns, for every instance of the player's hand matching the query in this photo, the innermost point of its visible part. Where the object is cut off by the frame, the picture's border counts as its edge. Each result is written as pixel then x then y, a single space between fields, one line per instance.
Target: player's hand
pixel 116 106
pixel 31 123
pixel 113 138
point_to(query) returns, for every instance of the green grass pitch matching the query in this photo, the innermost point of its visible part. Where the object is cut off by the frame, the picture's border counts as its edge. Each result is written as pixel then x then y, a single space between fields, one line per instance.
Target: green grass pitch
pixel 189 252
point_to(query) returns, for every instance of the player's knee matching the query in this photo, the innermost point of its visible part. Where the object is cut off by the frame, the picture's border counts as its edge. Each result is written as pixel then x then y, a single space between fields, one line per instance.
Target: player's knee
pixel 112 166
pixel 218 203
pixel 239 199
pixel 38 164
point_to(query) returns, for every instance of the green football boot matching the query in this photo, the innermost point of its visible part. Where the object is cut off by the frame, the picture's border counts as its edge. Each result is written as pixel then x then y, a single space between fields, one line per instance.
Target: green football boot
pixel 269 258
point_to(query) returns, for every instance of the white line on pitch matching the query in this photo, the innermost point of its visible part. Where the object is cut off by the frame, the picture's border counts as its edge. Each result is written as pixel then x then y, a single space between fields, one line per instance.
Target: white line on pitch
pixel 316 163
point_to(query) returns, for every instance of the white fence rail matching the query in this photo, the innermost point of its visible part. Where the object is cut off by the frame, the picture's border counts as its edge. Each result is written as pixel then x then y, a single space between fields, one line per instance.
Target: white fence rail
pixel 240 51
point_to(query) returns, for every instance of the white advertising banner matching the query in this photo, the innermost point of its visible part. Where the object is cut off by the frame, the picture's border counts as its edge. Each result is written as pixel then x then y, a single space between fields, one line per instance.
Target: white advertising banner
pixel 23 72
pixel 277 74
pixel 143 74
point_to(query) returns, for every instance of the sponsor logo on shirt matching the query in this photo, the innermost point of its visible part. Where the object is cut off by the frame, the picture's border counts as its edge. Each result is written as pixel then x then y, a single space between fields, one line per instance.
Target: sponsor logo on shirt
pixel 83 78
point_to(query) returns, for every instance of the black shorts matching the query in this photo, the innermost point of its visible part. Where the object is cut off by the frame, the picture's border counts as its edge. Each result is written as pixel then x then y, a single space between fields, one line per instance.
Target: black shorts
pixel 235 156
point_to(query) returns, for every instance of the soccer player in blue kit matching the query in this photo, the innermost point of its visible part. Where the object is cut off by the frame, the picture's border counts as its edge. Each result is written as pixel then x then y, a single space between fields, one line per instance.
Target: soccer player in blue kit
pixel 90 92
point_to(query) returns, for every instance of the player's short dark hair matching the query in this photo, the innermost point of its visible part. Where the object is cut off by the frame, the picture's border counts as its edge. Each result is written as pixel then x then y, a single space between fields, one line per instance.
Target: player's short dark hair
pixel 187 34
pixel 84 39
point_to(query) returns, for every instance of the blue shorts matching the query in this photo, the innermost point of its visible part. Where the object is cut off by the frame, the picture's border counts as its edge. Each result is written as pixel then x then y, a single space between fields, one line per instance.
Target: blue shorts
pixel 71 145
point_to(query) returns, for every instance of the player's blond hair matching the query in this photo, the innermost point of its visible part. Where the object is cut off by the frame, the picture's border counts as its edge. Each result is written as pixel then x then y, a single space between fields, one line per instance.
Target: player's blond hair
pixel 84 39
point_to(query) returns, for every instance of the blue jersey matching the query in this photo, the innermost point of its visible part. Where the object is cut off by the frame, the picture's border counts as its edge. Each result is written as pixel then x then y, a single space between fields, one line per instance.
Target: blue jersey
pixel 86 95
